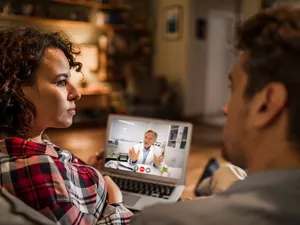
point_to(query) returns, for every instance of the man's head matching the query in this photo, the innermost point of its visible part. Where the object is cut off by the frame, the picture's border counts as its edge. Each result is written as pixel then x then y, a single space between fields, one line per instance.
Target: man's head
pixel 265 82
pixel 149 138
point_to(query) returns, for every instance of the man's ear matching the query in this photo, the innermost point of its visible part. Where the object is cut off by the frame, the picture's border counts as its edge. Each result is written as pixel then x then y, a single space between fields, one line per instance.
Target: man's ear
pixel 268 103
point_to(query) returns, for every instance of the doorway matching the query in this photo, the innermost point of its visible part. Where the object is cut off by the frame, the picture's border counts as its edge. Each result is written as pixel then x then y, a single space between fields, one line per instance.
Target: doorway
pixel 220 59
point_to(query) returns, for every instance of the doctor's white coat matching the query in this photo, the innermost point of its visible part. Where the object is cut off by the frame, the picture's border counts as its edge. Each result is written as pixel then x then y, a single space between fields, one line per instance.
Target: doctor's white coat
pixel 149 160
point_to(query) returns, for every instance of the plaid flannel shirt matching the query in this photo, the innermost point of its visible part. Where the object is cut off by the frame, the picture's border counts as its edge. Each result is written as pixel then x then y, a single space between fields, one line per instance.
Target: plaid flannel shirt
pixel 57 184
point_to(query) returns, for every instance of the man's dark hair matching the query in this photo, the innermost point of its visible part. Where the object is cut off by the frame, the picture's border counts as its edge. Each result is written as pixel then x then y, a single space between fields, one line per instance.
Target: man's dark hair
pixel 21 52
pixel 272 39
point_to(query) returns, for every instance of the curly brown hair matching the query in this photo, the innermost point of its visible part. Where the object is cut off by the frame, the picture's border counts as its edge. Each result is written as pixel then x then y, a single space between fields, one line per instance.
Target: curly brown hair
pixel 21 52
pixel 272 38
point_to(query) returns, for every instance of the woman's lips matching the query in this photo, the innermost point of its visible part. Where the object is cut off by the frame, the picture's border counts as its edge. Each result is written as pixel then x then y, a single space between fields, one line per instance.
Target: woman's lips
pixel 72 111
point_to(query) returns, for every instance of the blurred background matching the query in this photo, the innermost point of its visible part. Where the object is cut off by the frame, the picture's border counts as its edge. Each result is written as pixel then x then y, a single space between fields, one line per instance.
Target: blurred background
pixel 166 59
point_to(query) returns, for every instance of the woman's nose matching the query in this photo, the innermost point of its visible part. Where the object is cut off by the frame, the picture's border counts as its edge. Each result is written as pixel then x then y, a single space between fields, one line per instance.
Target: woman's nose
pixel 225 109
pixel 74 94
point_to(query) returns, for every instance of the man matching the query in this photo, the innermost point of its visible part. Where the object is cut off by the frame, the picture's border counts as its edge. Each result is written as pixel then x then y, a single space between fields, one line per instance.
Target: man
pixel 261 132
pixel 145 153
pixel 15 212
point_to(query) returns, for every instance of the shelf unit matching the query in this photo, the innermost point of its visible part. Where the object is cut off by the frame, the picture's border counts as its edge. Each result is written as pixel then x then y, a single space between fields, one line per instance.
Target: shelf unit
pixel 44 18
pixel 178 137
pixel 64 22
pixel 95 5
pixel 58 22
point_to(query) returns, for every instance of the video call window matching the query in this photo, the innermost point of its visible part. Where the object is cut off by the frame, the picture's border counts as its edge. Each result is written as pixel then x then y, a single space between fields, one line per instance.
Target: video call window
pixel 154 149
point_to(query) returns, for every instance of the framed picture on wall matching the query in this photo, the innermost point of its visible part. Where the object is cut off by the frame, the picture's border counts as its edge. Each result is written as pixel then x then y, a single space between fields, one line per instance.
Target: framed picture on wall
pixel 173 22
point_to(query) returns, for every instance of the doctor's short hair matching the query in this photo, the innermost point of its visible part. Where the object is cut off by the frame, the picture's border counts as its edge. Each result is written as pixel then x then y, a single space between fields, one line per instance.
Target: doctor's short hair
pixel 152 131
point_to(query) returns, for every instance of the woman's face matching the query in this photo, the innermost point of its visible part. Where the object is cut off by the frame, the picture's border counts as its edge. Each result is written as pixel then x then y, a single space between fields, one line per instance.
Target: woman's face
pixel 53 94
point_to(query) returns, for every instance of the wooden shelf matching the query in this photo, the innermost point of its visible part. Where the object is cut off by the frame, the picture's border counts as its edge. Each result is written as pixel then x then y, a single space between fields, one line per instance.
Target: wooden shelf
pixel 57 22
pixel 96 5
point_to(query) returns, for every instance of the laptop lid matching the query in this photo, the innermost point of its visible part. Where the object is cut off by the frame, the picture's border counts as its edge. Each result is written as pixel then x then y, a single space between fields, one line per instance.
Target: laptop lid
pixel 168 141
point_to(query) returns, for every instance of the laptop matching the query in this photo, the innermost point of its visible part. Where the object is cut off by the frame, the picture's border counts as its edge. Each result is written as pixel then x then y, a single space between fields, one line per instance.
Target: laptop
pixel 146 181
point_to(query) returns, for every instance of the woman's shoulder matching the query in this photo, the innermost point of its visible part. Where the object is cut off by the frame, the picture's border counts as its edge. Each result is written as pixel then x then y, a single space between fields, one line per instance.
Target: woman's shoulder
pixel 16 147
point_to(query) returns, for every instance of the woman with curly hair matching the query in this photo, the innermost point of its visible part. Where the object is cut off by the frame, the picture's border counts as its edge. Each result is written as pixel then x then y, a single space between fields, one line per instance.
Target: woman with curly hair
pixel 36 94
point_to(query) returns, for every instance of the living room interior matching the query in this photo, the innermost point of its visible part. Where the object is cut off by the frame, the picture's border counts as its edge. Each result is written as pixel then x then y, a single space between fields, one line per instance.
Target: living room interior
pixel 139 62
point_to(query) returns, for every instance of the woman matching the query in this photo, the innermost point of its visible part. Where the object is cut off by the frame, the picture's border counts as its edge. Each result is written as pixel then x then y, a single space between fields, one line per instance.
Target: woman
pixel 36 93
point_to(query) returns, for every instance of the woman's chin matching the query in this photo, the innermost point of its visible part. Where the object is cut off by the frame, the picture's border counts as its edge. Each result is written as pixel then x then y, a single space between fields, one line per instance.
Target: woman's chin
pixel 64 124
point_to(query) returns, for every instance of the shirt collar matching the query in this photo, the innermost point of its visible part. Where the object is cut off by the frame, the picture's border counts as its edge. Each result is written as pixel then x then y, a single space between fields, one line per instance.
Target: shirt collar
pixel 20 147
pixel 145 150
pixel 289 178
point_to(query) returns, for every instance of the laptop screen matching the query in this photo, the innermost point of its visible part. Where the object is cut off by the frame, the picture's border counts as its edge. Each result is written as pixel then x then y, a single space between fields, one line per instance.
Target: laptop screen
pixel 147 147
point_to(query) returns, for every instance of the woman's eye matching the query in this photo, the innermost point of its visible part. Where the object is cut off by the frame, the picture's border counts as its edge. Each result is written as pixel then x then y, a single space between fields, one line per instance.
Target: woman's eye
pixel 61 83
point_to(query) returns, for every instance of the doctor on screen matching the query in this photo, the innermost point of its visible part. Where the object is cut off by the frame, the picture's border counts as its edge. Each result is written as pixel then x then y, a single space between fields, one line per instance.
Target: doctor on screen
pixel 146 153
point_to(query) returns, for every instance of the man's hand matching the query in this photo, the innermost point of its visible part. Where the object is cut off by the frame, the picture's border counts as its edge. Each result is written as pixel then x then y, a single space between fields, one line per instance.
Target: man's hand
pixel 133 155
pixel 226 176
pixel 114 193
pixel 158 160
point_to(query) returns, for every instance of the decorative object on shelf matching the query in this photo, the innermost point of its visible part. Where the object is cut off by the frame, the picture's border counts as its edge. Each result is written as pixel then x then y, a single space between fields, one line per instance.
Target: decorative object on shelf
pixel 117 45
pixel 114 18
pixel 100 18
pixel 173 22
pixel 103 42
pixel 96 4
pixel 11 7
pixel 28 9
pixel 6 8
pixel 140 21
pixel 102 1
pixel 79 13
pixel 267 3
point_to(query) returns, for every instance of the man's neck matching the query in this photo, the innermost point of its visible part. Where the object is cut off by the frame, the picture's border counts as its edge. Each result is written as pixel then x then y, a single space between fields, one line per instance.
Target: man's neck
pixel 284 156
pixel 269 149
pixel 147 148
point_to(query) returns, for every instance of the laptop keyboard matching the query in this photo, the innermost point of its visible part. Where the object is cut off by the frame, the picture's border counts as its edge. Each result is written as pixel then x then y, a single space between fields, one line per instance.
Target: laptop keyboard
pixel 144 188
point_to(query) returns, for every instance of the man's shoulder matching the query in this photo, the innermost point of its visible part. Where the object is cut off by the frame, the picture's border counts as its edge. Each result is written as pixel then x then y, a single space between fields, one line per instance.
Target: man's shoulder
pixel 21 213
pixel 268 198
pixel 188 212
pixel 221 209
